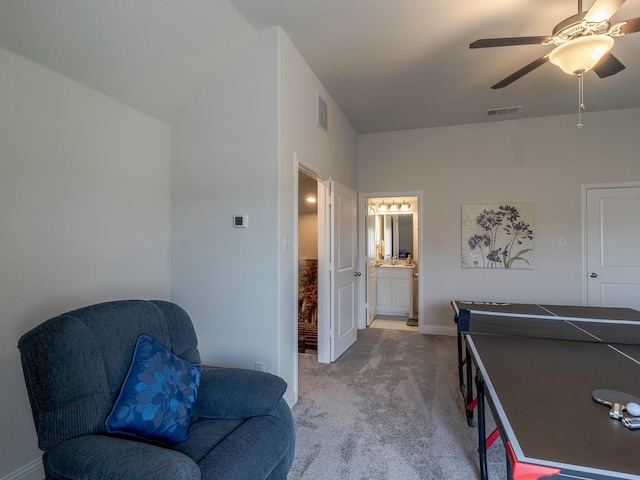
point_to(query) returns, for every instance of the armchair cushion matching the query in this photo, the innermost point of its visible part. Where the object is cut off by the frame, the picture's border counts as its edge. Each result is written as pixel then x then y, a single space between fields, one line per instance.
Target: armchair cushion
pixel 158 395
pixel 235 393
pixel 111 458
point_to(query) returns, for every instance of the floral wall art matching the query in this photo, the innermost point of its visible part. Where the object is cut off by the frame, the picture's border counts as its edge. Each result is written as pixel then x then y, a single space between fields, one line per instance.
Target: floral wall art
pixel 497 235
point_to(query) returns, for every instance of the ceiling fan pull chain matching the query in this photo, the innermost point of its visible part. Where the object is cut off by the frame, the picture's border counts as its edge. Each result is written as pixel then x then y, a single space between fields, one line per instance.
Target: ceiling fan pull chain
pixel 580 98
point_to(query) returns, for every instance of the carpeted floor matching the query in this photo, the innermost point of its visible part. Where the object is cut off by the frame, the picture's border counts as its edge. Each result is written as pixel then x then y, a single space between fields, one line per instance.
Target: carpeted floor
pixel 390 408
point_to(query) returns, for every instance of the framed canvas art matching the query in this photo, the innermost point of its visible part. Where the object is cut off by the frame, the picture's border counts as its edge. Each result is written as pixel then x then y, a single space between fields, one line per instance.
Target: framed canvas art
pixel 497 235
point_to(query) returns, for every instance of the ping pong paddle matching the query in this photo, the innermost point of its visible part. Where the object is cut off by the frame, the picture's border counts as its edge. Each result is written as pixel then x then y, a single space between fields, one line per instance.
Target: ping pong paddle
pixel 618 402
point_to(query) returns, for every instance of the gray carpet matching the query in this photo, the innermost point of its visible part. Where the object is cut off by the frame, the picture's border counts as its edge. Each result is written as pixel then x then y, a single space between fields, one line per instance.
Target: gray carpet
pixel 390 408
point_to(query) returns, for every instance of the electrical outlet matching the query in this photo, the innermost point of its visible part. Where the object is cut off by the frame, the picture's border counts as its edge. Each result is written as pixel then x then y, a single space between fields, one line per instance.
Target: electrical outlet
pixel 259 366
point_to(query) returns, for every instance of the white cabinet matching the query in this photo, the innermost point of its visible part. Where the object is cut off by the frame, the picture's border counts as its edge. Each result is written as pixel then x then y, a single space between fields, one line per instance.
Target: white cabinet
pixel 383 294
pixel 394 290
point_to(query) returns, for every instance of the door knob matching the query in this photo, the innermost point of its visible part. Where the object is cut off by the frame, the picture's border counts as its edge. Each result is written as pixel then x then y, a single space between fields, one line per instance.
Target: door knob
pixel 357 274
pixel 593 275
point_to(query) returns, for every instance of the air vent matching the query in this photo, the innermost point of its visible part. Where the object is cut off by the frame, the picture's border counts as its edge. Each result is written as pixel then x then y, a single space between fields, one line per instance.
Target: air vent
pixel 495 112
pixel 323 120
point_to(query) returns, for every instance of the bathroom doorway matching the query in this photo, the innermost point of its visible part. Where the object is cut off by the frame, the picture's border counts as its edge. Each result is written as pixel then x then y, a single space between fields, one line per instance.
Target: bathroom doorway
pixel 392 260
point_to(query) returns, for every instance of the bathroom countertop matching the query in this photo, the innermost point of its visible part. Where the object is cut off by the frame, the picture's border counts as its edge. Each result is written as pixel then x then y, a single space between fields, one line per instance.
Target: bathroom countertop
pixel 399 265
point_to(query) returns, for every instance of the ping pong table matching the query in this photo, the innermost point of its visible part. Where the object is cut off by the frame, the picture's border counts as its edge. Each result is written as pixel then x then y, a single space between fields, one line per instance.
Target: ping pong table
pixel 537 371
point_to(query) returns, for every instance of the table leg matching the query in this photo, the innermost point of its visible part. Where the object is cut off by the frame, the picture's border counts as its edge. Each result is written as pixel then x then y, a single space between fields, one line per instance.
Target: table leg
pixel 482 445
pixel 460 375
pixel 467 391
pixel 469 394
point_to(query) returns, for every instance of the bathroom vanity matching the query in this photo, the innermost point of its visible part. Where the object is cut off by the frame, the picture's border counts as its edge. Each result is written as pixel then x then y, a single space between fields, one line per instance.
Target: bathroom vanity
pixel 394 289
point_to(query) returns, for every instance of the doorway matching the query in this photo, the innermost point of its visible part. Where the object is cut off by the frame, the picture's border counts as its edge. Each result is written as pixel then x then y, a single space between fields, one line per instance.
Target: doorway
pixel 307 264
pixel 391 260
pixel 336 318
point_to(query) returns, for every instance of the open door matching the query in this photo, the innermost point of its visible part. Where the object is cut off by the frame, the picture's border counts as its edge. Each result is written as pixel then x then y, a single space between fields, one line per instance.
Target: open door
pixel 370 264
pixel 344 274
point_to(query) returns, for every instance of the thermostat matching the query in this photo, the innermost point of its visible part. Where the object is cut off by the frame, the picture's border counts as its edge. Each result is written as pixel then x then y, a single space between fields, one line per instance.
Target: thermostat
pixel 241 221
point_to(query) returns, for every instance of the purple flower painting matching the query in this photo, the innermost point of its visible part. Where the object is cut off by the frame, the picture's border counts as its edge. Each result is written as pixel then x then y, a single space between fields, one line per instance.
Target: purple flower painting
pixel 497 236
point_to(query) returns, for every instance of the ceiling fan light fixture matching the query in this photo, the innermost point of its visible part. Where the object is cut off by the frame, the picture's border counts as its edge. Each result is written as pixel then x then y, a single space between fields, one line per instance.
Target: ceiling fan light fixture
pixel 581 54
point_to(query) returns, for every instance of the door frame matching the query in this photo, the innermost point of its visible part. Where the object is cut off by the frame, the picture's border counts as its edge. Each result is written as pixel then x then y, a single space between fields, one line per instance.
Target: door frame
pixel 363 262
pixel 324 286
pixel 585 188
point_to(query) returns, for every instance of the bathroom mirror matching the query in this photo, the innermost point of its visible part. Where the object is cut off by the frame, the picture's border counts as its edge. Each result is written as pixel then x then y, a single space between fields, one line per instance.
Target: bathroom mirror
pixel 394 235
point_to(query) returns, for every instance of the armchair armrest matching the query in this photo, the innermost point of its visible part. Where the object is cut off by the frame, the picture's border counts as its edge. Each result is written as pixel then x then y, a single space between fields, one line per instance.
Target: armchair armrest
pixel 235 393
pixel 114 458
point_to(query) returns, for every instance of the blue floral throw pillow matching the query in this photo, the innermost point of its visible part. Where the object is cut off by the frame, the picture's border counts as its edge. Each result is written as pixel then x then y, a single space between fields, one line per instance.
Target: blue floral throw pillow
pixel 158 396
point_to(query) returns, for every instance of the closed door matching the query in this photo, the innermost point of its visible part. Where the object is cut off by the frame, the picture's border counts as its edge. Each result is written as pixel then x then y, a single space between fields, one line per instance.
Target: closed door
pixel 613 246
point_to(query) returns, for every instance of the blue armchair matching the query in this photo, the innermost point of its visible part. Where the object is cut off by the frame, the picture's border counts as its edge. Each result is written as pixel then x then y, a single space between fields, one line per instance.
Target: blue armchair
pixel 74 367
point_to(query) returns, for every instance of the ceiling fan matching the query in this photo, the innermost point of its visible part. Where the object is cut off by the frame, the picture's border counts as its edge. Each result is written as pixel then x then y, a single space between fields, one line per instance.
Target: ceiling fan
pixel 582 42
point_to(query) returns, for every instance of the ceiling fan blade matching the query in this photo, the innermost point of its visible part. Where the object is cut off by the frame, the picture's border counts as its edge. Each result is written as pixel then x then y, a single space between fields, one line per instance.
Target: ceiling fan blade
pixel 603 10
pixel 508 42
pixel 608 65
pixel 632 26
pixel 521 73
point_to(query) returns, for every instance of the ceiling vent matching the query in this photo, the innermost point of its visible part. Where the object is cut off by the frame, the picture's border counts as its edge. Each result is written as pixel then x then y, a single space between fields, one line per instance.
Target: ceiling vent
pixel 496 112
pixel 323 120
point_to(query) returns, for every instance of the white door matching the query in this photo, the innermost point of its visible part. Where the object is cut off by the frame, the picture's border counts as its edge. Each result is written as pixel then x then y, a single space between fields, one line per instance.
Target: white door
pixel 613 246
pixel 344 257
pixel 371 291
pixel 370 263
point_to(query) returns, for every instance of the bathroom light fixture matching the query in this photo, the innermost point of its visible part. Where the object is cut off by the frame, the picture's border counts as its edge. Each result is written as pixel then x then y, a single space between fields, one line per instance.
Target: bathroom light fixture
pixel 405 207
pixel 384 207
pixel 394 207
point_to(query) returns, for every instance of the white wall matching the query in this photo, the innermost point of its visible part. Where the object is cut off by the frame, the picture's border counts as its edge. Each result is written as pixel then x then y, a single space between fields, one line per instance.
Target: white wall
pixel 332 153
pixel 542 160
pixel 225 162
pixel 233 152
pixel 308 235
pixel 84 217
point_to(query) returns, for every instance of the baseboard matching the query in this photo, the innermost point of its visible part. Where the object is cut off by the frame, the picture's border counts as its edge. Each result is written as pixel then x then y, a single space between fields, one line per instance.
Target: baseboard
pixel 439 330
pixel 31 471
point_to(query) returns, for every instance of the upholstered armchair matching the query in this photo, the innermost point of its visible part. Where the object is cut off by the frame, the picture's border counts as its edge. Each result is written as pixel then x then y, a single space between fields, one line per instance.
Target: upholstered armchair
pixel 117 392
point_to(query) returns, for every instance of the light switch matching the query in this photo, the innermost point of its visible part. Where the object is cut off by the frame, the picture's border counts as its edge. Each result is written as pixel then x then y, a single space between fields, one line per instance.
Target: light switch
pixel 563 242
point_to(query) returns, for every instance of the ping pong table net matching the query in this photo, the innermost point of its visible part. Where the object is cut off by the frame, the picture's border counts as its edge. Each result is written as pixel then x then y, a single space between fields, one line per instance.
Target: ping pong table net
pixel 625 332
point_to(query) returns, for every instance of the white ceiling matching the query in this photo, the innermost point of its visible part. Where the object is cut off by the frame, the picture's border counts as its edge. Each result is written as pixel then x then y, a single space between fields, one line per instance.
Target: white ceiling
pixel 389 64
pixel 154 55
